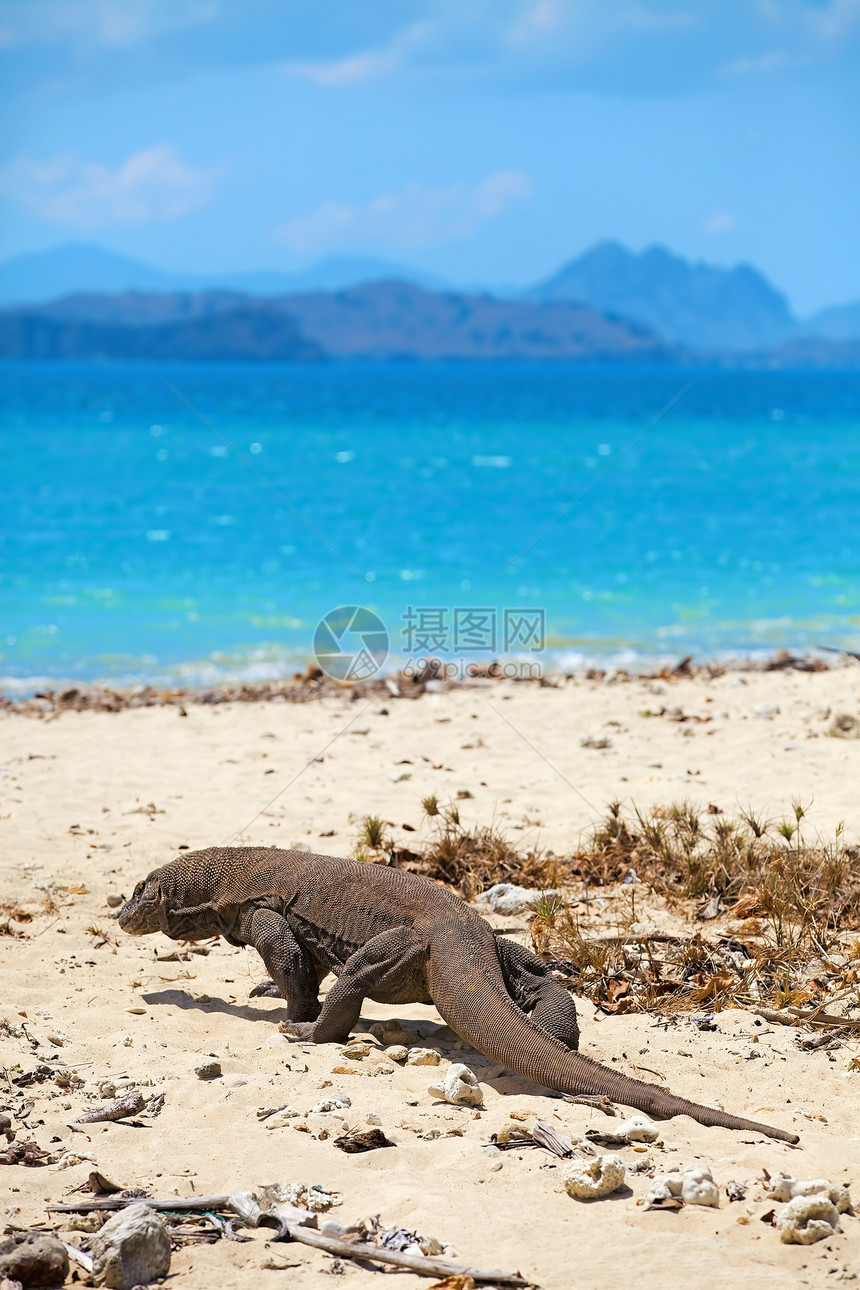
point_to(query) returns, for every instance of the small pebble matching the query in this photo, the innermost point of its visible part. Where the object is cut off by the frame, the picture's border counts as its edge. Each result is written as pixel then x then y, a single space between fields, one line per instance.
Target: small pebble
pixel 423 1057
pixel 208 1070
pixel 113 900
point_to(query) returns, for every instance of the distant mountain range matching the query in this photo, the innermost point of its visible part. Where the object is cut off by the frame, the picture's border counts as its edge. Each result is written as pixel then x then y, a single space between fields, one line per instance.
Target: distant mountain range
pixel 80 301
pixel 697 305
pixel 78 267
pixel 377 320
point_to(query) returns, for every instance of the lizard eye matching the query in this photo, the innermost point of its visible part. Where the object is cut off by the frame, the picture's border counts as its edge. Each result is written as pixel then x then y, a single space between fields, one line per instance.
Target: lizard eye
pixel 139 889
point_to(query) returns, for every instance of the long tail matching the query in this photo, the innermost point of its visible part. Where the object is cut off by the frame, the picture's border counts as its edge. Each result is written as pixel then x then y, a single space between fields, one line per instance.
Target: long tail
pixel 473 1000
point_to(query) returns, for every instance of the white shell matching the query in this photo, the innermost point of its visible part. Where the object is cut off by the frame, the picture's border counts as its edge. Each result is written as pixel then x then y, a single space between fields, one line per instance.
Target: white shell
pixel 807 1219
pixel 459 1086
pixel 589 1179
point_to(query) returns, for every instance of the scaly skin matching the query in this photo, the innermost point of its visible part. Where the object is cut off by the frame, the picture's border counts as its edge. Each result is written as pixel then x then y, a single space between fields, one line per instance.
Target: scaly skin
pixel 396 938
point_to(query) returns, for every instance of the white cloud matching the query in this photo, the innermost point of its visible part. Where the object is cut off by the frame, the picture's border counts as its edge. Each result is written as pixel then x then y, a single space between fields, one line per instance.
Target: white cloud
pixel 108 24
pixel 367 65
pixel 721 222
pixel 414 216
pixel 154 185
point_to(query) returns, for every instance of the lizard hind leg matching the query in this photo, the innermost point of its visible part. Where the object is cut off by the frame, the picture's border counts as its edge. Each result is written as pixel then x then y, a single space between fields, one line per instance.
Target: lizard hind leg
pixel 388 968
pixel 533 988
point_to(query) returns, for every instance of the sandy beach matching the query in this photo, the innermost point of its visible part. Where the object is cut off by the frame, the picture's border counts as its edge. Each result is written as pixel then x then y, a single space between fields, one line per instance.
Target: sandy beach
pixel 90 802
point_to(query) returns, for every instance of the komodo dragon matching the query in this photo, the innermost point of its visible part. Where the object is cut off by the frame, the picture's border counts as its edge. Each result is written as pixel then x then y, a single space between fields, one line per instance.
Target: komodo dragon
pixel 393 937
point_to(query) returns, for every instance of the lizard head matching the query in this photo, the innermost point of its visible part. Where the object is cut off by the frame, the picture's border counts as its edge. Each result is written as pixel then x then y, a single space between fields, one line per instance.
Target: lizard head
pixel 144 911
pixel 172 900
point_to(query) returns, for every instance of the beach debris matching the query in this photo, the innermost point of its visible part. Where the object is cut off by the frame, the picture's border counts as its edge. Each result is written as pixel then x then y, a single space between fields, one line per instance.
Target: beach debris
pixel 785 1187
pixel 595 741
pixel 337 1102
pixel 279 1119
pixel 368 1140
pixel 34 1259
pixel 512 1133
pixel 793 1016
pixel 133 1248
pixel 273 1206
pixel 736 1190
pixel 508 898
pixel 355 1052
pixel 807 1219
pixel 597 1102
pixel 123 1107
pixel 844 726
pixel 24 1153
pixel 699 1188
pixel 692 1186
pixel 396 1053
pixel 459 1086
pixel 389 1033
pixel 113 900
pixel 322 1127
pixel 208 1070
pixel 637 1128
pixel 591 1179
pixel 545 1136
pixel 423 1057
pixel 69 1159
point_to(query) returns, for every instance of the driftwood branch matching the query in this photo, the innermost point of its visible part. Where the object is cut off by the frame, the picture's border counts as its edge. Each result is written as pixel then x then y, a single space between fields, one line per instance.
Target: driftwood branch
pixel 596 1101
pixel 79 1257
pixel 815 1017
pixel 118 1110
pixel 414 1262
pixel 307 1236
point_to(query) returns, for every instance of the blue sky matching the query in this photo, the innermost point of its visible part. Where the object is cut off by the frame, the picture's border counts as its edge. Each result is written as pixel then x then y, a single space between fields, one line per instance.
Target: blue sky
pixel 483 140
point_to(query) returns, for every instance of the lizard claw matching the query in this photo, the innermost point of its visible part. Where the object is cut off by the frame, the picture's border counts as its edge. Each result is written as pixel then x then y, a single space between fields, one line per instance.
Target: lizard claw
pixel 298 1029
pixel 267 989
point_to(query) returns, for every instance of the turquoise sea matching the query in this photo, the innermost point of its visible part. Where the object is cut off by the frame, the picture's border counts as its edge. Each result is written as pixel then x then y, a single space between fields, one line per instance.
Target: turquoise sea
pixel 136 546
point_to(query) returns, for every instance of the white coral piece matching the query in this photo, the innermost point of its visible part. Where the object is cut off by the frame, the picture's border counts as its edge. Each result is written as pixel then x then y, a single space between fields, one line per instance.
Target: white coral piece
pixel 508 898
pixel 785 1187
pixel 460 1087
pixel 589 1179
pixel 637 1129
pixel 695 1186
pixel 699 1188
pixel 807 1219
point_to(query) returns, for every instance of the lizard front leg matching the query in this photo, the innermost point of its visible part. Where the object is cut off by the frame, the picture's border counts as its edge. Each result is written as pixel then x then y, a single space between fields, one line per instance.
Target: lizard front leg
pixel 288 963
pixel 386 965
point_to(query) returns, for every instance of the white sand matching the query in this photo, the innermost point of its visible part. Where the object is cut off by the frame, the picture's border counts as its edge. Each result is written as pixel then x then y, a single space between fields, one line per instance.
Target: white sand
pixel 70 813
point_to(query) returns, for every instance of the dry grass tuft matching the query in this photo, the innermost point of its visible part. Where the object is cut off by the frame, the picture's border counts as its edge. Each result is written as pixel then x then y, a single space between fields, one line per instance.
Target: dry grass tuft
pixel 795 897
pixel 791 899
pixel 471 859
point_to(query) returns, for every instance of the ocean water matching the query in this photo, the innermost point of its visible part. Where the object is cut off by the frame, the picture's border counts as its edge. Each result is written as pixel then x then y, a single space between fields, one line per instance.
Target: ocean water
pixel 135 545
